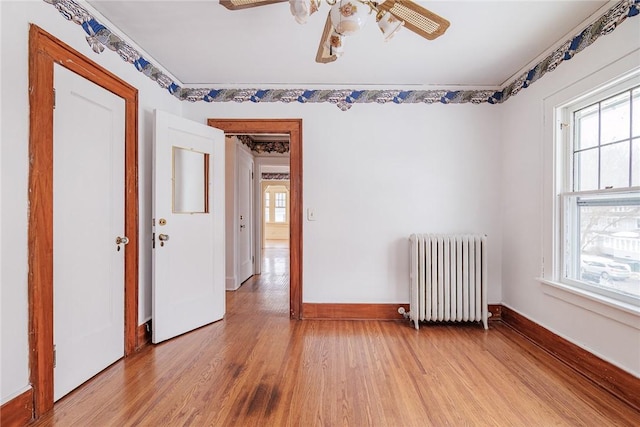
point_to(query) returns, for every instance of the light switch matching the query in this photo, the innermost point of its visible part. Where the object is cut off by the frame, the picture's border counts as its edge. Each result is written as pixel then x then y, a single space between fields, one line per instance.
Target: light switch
pixel 311 214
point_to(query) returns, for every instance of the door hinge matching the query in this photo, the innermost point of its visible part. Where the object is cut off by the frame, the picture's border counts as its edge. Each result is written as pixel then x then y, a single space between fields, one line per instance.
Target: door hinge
pixel 153 241
pixel 252 260
pixel 54 98
pixel 54 356
pixel 251 174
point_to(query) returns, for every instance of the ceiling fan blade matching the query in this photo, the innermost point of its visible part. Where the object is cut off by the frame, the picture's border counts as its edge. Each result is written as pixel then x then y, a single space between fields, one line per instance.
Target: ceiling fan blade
pixel 245 4
pixel 324 54
pixel 416 18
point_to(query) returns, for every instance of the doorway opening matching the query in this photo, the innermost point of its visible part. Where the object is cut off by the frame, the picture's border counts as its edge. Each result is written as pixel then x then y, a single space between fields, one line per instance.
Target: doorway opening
pixel 292 128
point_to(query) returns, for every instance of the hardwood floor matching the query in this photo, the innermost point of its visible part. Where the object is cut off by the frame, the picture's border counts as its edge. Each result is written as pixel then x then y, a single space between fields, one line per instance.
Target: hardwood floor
pixel 258 368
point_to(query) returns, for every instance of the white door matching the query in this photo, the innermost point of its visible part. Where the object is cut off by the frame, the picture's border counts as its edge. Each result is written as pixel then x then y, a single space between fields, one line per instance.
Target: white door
pixel 188 232
pixel 245 216
pixel 88 216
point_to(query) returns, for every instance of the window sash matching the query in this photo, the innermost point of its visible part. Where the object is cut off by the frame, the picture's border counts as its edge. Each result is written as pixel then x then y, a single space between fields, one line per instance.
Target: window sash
pixel 573 200
pixel 578 153
pixel 572 252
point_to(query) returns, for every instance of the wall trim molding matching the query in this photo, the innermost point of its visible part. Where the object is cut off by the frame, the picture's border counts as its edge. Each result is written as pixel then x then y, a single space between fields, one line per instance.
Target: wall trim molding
pixel 18 411
pixel 99 37
pixel 144 334
pixel 331 311
pixel 495 312
pixel 616 381
pixel 334 311
pixel 231 283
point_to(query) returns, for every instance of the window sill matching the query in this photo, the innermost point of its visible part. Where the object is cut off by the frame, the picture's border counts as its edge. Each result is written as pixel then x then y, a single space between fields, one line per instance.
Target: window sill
pixel 627 314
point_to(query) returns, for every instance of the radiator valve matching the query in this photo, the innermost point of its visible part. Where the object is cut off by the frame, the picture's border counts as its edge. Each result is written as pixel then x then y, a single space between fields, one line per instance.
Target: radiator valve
pixel 404 313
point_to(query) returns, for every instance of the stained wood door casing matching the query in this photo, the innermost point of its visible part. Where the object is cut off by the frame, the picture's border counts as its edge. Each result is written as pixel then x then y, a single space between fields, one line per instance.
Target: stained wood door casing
pixel 292 127
pixel 44 51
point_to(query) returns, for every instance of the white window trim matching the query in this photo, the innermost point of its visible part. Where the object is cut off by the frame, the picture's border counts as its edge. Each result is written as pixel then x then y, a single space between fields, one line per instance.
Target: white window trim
pixel 624 69
pixel 596 303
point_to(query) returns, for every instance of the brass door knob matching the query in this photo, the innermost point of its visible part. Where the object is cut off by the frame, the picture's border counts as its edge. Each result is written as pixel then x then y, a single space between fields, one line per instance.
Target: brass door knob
pixel 122 240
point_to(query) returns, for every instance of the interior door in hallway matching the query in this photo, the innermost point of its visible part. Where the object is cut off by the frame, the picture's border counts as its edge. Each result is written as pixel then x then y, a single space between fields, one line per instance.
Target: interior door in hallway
pixel 245 216
pixel 88 217
pixel 188 226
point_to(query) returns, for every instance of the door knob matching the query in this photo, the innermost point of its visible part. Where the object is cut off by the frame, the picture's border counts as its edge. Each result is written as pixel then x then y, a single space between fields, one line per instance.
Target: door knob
pixel 163 238
pixel 122 240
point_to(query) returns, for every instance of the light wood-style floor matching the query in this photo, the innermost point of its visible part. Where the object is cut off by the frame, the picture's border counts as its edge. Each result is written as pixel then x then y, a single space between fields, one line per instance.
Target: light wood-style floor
pixel 258 368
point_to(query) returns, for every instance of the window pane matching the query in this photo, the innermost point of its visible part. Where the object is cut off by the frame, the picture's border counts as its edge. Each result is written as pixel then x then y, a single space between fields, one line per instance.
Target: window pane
pixel 635 166
pixel 281 215
pixel 614 165
pixel 266 207
pixel 586 170
pixel 615 118
pixel 586 127
pixel 609 253
pixel 636 112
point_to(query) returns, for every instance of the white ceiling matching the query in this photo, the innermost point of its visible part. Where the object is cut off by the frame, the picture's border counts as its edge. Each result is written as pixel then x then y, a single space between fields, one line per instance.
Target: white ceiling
pixel 203 44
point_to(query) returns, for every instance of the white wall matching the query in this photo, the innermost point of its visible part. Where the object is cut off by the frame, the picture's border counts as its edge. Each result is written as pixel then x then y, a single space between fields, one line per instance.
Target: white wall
pixel 377 173
pixel 14 28
pixel 526 205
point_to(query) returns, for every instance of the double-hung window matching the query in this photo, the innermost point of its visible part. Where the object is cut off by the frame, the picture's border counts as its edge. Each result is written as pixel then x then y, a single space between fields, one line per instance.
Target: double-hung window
pixel 281 207
pixel 599 200
pixel 276 204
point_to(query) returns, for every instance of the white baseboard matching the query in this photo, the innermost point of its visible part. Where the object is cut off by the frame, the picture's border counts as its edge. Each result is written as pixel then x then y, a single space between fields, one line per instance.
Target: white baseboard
pixel 232 283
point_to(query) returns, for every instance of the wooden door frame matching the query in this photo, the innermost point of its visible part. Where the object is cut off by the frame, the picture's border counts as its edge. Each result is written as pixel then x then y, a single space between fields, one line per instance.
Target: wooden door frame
pixel 44 51
pixel 293 127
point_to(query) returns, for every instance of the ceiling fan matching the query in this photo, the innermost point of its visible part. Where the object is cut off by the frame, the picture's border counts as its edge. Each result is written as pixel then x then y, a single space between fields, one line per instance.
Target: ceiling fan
pixel 348 16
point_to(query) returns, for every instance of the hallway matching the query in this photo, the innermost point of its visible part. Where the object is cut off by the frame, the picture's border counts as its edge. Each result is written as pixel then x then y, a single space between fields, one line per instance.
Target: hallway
pixel 266 293
pixel 258 368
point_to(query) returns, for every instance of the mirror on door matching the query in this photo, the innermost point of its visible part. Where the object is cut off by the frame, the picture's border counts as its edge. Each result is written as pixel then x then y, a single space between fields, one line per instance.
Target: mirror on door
pixel 190 189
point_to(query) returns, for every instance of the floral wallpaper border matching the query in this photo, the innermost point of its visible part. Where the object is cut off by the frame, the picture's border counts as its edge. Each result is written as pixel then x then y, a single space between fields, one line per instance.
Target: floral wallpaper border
pixel 261 147
pixel 99 37
pixel 275 176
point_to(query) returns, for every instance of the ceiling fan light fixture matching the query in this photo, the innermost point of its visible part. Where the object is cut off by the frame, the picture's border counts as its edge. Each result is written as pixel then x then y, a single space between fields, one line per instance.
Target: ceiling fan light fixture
pixel 416 18
pixel 349 16
pixel 388 24
pixel 335 43
pixel 245 4
pixel 302 9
